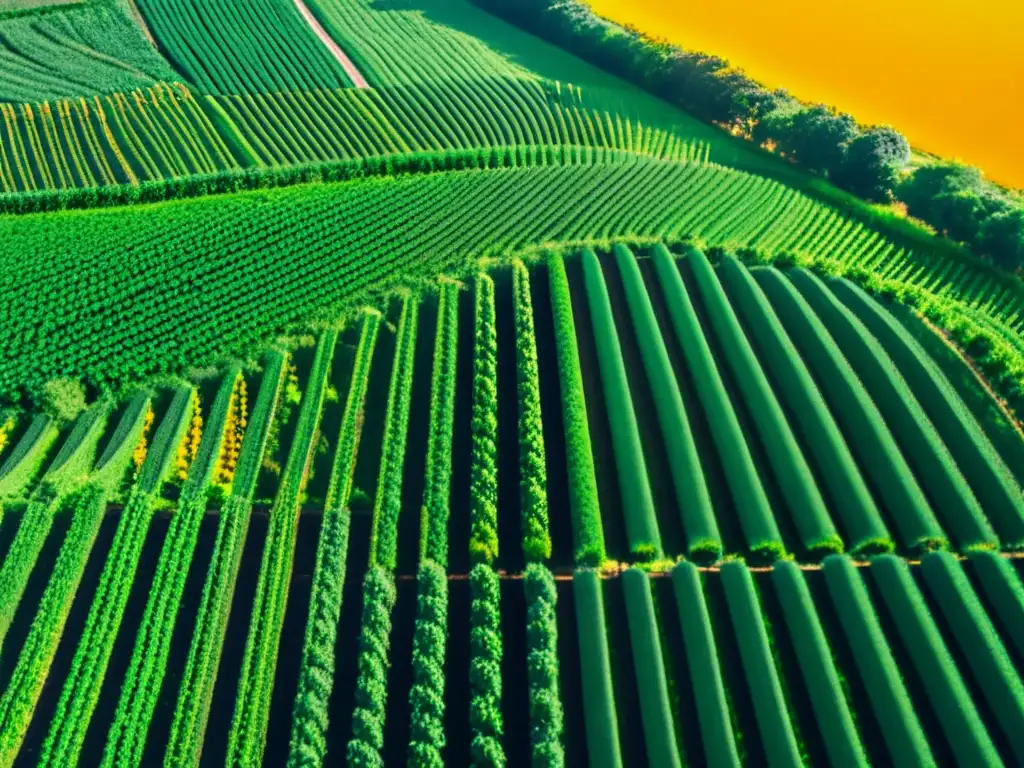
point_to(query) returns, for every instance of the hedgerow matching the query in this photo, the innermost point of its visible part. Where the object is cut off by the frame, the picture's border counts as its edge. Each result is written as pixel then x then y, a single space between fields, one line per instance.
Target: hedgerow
pixel 546 714
pixel 485 654
pixel 426 697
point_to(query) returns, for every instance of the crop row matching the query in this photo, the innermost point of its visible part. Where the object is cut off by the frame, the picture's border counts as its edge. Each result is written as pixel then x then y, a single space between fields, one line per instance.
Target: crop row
pixel 192 711
pixel 261 242
pixel 37 651
pixel 248 735
pixel 483 489
pixel 255 47
pixel 485 655
pixel 122 138
pixel 765 662
pixel 533 499
pixel 316 674
pixel 546 714
pixel 288 128
pixel 79 51
pixel 82 685
pixel 429 643
pixel 437 491
pixel 126 738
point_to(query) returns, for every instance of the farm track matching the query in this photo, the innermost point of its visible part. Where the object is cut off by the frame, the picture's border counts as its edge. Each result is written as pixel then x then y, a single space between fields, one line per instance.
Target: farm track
pixel 339 55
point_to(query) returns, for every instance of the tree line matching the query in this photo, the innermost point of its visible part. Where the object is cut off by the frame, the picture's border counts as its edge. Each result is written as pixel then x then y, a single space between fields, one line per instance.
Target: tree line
pixel 871 162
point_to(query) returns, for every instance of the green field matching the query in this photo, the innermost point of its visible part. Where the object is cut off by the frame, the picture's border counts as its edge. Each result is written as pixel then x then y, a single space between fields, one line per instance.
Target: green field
pixel 381 385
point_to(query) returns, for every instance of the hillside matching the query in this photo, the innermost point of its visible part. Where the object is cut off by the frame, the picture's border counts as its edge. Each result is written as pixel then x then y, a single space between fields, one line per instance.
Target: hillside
pixel 383 385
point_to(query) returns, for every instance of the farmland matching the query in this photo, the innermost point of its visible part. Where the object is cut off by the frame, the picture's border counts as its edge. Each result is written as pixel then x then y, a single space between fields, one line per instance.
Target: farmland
pixel 424 396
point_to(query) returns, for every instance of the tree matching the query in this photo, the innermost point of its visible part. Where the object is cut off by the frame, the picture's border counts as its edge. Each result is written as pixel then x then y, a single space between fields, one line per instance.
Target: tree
pixel 819 138
pixel 873 162
pixel 63 399
pixel 922 187
pixel 1002 238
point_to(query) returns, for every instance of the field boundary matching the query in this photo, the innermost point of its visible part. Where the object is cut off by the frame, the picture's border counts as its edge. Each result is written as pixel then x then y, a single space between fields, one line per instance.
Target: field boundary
pixel 339 55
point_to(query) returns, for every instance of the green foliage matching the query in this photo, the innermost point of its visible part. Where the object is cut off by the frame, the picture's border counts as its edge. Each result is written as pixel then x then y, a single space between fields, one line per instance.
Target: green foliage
pixel 979 644
pixel 826 448
pixel 821 678
pixel 426 697
pixel 437 492
pixel 806 505
pixel 26 459
pixel 990 479
pixel 763 684
pixel 959 719
pixel 652 685
pixel 587 529
pixel 716 730
pixel 863 425
pixel 485 653
pixel 533 495
pixel 595 668
pixel 546 715
pixel 384 539
pixel 272 47
pixel 247 738
pixel 371 685
pixel 1004 593
pixel 81 690
pixel 483 494
pixel 875 665
pixel 935 468
pixel 63 400
pixel 756 519
pixel 692 495
pixel 637 499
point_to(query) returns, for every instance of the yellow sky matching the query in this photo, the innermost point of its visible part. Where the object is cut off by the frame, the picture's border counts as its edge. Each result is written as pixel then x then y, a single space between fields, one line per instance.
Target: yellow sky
pixel 949 74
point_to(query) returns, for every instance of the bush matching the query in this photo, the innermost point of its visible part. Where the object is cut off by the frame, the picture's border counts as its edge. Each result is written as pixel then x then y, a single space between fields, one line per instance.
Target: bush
pixel 63 399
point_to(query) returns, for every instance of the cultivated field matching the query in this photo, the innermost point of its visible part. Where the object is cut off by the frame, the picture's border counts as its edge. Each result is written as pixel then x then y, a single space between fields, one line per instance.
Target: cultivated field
pixel 479 410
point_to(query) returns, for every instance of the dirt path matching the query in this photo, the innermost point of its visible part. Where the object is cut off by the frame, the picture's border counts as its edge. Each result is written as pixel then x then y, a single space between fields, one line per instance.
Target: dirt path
pixel 339 55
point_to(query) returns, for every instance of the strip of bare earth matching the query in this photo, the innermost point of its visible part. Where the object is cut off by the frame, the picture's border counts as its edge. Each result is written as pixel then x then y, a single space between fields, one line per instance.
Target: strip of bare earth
pixel 339 55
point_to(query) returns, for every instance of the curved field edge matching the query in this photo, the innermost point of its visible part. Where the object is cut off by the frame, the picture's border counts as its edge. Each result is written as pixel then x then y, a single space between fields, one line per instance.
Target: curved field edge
pixel 160 289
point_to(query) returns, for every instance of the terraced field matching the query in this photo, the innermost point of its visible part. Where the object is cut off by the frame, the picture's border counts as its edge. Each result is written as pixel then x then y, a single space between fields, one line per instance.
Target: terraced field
pixel 472 417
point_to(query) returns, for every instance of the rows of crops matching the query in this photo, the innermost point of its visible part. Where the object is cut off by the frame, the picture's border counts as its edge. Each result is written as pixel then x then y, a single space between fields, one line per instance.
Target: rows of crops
pixel 317 126
pixel 122 138
pixel 167 278
pixel 93 47
pixel 382 657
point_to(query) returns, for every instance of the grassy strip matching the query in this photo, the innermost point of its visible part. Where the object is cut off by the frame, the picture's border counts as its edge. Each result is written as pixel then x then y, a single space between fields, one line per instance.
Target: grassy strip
pixel 847 490
pixel 546 715
pixel 426 697
pixel 894 711
pixel 716 732
pixel 831 711
pixel 126 739
pixel 191 713
pixel 755 513
pixel 248 735
pixel 25 461
pixel 26 683
pixel 926 650
pixel 533 479
pixel 68 470
pixel 935 468
pixel 81 690
pixel 862 423
pixel 991 480
pixel 810 514
pixel 384 540
pixel 655 710
pixel 703 540
pixel 764 686
pixel 483 538
pixel 379 595
pixel 973 632
pixel 588 532
pixel 436 494
pixel 1005 593
pixel 308 744
pixel 637 498
pixel 602 725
